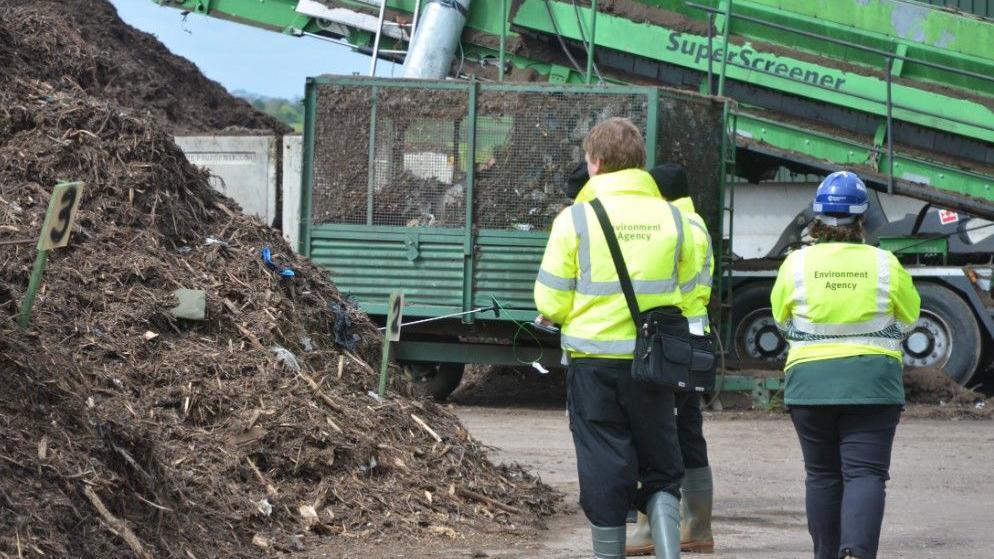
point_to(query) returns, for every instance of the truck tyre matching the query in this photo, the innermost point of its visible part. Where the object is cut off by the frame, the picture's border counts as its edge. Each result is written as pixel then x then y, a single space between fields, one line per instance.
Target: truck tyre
pixel 437 380
pixel 946 336
pixel 756 342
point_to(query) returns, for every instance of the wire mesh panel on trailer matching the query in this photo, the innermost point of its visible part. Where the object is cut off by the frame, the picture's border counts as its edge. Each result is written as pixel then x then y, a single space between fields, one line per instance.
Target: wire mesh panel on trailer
pixel 527 143
pixel 341 153
pixel 413 172
pixel 690 133
pixel 419 175
pixel 410 174
pixel 397 152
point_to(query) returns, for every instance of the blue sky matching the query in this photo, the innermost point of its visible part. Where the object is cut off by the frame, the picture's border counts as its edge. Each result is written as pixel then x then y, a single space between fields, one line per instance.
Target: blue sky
pixel 244 57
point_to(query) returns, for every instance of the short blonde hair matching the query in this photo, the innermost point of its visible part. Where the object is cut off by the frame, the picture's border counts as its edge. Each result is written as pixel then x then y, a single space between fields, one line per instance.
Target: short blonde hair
pixel 617 143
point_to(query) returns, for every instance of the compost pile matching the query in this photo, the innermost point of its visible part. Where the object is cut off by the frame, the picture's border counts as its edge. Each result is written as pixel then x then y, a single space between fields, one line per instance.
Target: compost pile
pixel 114 61
pixel 131 433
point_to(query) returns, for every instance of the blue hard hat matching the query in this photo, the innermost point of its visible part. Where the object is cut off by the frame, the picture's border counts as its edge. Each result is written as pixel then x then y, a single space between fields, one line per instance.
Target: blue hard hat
pixel 841 195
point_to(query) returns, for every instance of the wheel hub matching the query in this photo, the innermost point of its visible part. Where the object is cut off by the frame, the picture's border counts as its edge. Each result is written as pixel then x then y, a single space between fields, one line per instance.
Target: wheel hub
pixel 761 338
pixel 929 343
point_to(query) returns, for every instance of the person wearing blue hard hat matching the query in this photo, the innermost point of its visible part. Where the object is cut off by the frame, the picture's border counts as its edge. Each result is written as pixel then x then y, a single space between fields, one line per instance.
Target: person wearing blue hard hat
pixel 841 199
pixel 844 307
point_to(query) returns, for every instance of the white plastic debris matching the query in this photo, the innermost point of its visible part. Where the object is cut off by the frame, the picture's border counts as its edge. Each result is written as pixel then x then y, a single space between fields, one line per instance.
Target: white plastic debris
pixel 213 241
pixel 264 507
pixel 285 356
pixel 538 367
pixel 307 342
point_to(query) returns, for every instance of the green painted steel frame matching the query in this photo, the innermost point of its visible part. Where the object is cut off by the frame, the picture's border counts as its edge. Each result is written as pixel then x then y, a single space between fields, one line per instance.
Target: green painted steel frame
pixel 468 237
pixel 726 202
pixel 440 236
pixel 947 40
pixel 916 245
pixel 307 167
pixel 487 354
pixel 783 73
pixel 844 151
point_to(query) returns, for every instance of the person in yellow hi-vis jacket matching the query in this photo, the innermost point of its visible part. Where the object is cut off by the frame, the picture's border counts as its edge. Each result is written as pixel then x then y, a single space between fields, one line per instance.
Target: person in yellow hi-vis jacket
pixel 624 431
pixel 845 308
pixel 696 488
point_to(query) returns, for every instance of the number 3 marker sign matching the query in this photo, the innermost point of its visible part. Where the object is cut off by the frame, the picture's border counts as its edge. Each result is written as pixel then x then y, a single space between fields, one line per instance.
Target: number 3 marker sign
pixel 54 234
pixel 60 216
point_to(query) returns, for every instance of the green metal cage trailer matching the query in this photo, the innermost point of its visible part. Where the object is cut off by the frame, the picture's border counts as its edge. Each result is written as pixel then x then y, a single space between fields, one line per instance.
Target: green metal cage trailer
pixel 900 91
pixel 444 191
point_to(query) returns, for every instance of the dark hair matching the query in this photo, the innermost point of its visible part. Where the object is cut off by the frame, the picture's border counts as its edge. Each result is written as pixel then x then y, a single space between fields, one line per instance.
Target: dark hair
pixel 850 233
pixel 671 179
pixel 576 179
pixel 617 143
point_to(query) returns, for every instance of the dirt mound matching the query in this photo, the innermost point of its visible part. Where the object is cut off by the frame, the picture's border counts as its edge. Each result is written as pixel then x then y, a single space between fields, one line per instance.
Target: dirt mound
pixel 933 386
pixel 511 386
pixel 84 42
pixel 128 432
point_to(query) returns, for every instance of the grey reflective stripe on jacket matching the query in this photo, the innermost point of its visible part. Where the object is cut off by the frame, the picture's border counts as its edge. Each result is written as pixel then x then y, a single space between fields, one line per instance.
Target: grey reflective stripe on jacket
pixel 883 330
pixel 587 286
pixel 597 347
pixel 549 279
pixel 704 277
pixel 883 342
pixel 698 324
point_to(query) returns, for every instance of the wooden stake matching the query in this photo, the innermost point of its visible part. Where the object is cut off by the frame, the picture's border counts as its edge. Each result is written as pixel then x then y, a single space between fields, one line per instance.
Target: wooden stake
pixel 425 426
pixel 33 284
pixel 462 491
pixel 270 490
pixel 317 392
pixel 118 526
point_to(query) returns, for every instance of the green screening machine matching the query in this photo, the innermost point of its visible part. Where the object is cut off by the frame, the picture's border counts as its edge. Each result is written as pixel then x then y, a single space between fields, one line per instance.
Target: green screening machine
pixel 443 189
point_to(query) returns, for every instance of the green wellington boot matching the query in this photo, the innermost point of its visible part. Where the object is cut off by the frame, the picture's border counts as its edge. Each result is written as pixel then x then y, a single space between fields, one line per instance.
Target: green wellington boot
pixel 664 519
pixel 609 543
pixel 640 541
pixel 697 490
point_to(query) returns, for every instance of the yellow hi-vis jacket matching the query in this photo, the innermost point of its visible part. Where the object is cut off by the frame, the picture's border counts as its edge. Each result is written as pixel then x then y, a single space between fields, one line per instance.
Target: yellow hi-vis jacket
pixel 577 285
pixel 697 290
pixel 837 300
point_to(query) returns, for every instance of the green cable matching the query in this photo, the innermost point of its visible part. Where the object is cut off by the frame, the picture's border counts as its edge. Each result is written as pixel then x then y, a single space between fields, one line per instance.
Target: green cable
pixel 522 327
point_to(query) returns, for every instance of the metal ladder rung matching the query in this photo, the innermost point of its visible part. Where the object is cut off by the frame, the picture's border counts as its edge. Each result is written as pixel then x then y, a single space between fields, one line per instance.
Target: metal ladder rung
pixel 376 40
pixel 379 34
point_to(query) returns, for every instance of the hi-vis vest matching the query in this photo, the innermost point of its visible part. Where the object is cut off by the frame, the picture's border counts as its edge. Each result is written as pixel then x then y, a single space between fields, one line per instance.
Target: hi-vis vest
pixel 577 285
pixel 697 290
pixel 842 299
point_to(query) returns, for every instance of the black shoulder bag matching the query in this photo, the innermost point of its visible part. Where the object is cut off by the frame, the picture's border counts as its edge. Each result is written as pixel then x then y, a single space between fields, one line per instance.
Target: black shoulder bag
pixel 662 336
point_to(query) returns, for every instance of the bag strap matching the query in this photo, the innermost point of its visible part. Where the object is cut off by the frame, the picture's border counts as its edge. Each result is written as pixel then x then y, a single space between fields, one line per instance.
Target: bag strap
pixel 619 262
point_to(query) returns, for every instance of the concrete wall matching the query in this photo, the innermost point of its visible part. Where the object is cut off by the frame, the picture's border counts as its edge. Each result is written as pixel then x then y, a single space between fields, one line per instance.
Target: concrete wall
pixel 244 168
pixel 293 164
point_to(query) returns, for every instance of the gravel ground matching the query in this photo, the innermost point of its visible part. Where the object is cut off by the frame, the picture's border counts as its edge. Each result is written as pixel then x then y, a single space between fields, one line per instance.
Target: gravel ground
pixel 938 499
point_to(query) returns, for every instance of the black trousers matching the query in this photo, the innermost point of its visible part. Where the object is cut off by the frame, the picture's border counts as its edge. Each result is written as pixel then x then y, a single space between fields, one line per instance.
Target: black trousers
pixel 847 453
pixel 624 433
pixel 690 430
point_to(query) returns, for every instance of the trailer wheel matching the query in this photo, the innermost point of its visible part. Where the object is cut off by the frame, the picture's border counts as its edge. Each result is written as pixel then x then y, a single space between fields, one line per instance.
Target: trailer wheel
pixel 437 380
pixel 946 336
pixel 756 341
